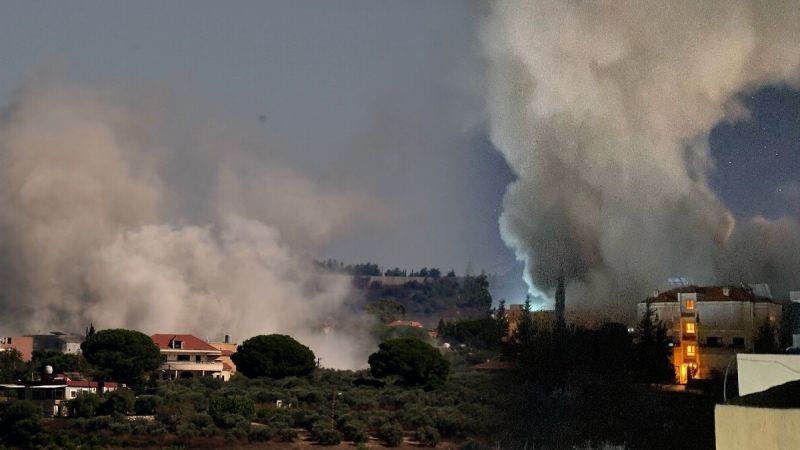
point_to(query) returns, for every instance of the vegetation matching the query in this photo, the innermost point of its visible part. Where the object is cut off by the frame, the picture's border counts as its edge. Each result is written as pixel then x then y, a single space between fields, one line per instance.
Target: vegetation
pixel 121 355
pixel 273 356
pixel 414 362
pixel 12 367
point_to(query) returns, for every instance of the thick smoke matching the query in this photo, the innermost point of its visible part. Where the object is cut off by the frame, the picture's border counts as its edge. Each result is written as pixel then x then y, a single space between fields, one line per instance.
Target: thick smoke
pixel 92 230
pixel 603 110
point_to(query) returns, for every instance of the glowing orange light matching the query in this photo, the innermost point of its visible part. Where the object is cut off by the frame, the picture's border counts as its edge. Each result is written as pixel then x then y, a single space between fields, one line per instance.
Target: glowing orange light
pixel 690 329
pixel 689 304
pixel 690 350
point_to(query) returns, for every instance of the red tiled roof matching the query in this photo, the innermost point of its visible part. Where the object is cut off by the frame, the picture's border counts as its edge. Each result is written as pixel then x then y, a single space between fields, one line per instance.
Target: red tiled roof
pixel 405 323
pixel 189 342
pixel 227 352
pixel 89 384
pixel 226 366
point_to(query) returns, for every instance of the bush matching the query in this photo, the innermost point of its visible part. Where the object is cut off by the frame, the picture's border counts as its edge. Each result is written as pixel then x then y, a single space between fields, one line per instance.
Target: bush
pixel 287 435
pixel 232 421
pixel 98 423
pixel 354 431
pixel 146 405
pixel 220 406
pixel 84 405
pixel 427 436
pixel 119 401
pixel 471 444
pixel 261 434
pixel 325 435
pixel 391 433
pixel 22 422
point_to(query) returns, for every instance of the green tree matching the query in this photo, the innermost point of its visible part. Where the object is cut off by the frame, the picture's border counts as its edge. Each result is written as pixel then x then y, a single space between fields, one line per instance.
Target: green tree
pixel 60 362
pixel 652 350
pixel 273 356
pixel 122 355
pixel 413 361
pixel 120 401
pixel 12 367
pixel 220 406
pixel 21 422
pixel 84 405
pixel 386 310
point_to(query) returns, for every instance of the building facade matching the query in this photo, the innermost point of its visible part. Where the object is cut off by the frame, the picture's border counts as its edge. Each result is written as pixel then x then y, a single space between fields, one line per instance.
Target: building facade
pixel 53 392
pixel 708 325
pixel 186 356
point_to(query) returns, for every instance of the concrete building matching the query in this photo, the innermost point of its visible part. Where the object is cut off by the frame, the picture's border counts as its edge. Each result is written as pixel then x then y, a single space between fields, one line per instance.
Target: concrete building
pixel 58 341
pixel 228 348
pixel 186 356
pixel 22 344
pixel 710 324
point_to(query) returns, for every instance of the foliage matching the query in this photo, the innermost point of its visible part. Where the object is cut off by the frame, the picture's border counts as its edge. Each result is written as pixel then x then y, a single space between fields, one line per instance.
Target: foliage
pixel 386 310
pixel 261 434
pixel 220 406
pixel 652 351
pixel 60 362
pixel 85 404
pixel 146 404
pixel 12 367
pixel 427 436
pixel 391 433
pixel 414 361
pixel 21 422
pixel 484 333
pixel 119 401
pixel 122 355
pixel 273 356
pixel 324 434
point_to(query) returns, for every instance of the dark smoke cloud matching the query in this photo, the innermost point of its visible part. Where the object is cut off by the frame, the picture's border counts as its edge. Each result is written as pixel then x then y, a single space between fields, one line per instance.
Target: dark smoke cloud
pixel 603 110
pixel 91 230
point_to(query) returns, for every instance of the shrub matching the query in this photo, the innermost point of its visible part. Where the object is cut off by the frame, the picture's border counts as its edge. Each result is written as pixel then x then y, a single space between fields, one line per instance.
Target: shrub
pixel 220 406
pixel 22 422
pixel 202 420
pixel 146 405
pixel 84 405
pixel 231 421
pixel 391 433
pixel 119 401
pixel 98 423
pixel 261 434
pixel 287 435
pixel 354 431
pixel 471 444
pixel 427 436
pixel 325 435
pixel 414 361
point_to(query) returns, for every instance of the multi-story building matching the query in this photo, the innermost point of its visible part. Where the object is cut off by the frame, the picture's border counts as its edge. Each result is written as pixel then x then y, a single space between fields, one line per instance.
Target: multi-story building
pixel 186 356
pixel 228 348
pixel 708 325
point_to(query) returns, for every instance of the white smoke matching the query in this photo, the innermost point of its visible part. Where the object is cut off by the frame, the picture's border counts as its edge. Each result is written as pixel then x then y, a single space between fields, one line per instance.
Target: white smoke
pixel 91 230
pixel 603 110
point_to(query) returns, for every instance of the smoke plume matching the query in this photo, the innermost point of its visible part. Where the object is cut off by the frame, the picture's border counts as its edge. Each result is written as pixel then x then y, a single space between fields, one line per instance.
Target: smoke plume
pixel 603 110
pixel 91 229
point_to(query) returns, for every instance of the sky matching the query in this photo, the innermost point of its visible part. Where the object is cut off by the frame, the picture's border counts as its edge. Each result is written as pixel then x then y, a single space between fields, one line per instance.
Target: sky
pixel 385 98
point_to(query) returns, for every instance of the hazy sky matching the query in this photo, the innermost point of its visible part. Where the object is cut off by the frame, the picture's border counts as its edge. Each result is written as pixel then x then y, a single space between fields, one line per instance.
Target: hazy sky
pixel 382 97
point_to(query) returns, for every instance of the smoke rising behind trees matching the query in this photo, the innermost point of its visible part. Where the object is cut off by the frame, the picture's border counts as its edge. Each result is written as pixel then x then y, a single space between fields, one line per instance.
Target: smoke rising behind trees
pixel 603 111
pixel 92 231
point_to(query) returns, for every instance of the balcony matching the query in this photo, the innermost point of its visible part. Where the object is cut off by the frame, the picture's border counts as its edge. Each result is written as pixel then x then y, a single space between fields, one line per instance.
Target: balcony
pixel 184 366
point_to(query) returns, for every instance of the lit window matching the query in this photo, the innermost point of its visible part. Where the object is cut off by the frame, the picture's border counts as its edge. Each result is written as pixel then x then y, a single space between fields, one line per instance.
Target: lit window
pixel 690 328
pixel 689 304
pixel 690 350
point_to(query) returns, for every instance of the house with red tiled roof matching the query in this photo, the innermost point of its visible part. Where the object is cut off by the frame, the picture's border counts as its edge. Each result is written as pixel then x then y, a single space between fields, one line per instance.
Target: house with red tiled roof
pixel 187 356
pixel 53 392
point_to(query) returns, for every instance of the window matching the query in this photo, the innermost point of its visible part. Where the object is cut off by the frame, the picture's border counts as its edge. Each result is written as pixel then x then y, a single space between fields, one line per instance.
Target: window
pixel 689 304
pixel 184 358
pixel 713 341
pixel 690 328
pixel 691 350
pixel 198 359
pixel 177 344
pixel 73 394
pixel 738 342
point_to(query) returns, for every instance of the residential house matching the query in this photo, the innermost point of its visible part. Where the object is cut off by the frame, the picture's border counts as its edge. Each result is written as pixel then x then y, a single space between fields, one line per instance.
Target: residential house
pixel 708 325
pixel 22 344
pixel 53 392
pixel 227 348
pixel 186 356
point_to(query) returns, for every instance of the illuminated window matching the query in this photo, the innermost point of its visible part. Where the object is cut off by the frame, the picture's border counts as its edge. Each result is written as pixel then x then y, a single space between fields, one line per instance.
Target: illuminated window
pixel 690 328
pixel 690 304
pixel 690 350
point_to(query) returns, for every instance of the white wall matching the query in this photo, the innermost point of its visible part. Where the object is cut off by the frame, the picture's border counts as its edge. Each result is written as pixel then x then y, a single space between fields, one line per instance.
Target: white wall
pixel 760 372
pixel 747 428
